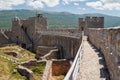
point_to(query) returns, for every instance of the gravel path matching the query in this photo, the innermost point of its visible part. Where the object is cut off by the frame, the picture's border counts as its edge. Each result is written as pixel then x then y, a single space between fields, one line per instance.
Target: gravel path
pixel 92 66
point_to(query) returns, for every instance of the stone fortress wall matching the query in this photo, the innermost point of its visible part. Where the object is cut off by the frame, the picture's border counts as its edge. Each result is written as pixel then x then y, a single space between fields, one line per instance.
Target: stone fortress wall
pixel 68 46
pixel 107 40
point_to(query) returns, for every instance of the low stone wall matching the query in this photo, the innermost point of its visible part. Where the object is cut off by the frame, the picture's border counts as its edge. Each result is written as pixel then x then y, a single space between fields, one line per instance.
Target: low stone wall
pixel 53 54
pixel 60 67
pixel 30 63
pixel 24 69
pixel 45 50
pixel 14 54
pixel 108 42
pixel 25 72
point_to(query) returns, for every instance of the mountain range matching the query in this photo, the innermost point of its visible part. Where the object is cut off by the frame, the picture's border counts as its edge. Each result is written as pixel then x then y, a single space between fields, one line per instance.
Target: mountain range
pixel 55 19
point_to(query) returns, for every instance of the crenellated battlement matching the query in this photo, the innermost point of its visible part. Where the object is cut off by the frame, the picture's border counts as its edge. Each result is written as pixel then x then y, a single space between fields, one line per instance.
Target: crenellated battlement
pixel 94 22
pixel 91 22
pixel 3 30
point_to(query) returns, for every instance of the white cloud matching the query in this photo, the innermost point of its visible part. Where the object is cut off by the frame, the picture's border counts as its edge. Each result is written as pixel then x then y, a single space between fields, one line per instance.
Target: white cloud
pixel 76 4
pixel 51 3
pixel 81 8
pixel 105 4
pixel 42 3
pixel 69 1
pixel 35 4
pixel 7 4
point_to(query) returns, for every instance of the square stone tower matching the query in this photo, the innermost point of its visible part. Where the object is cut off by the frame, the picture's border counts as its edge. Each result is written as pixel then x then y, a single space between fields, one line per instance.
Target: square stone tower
pixel 94 22
pixel 24 30
pixel 91 22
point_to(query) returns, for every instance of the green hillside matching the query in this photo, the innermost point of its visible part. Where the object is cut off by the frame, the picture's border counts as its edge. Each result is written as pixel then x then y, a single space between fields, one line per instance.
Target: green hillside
pixel 55 19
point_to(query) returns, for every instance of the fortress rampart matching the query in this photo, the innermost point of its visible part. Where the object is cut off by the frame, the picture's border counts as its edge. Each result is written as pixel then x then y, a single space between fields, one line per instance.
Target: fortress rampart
pixel 68 45
pixel 108 42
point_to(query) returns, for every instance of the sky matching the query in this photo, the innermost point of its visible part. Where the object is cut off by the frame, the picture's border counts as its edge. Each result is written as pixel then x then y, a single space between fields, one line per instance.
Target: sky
pixel 109 7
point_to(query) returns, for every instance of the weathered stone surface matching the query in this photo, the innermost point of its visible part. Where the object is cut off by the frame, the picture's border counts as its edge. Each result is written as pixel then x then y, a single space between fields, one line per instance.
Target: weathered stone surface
pixel 108 42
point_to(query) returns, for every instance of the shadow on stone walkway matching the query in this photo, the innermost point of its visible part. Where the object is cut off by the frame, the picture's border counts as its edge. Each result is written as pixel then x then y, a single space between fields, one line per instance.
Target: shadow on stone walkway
pixel 104 73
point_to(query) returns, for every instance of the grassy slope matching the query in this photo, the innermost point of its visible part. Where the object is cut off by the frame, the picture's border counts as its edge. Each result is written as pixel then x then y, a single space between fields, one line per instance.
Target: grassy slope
pixel 55 19
pixel 25 55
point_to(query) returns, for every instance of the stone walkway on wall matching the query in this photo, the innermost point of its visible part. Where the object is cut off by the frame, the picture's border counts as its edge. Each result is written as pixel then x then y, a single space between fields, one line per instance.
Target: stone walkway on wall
pixel 92 65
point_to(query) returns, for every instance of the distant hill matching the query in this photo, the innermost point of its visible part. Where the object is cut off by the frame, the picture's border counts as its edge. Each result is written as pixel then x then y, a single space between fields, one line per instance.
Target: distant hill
pixel 55 19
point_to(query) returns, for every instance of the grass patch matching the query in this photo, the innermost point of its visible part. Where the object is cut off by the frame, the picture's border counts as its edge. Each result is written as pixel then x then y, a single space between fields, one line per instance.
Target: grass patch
pixel 38 70
pixel 6 71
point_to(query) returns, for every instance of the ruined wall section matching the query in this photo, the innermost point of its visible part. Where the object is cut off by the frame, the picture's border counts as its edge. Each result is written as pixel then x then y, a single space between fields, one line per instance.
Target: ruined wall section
pixel 108 42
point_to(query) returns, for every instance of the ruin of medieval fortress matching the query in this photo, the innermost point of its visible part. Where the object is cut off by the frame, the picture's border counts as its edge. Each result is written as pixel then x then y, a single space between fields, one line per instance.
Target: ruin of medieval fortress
pixel 33 33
